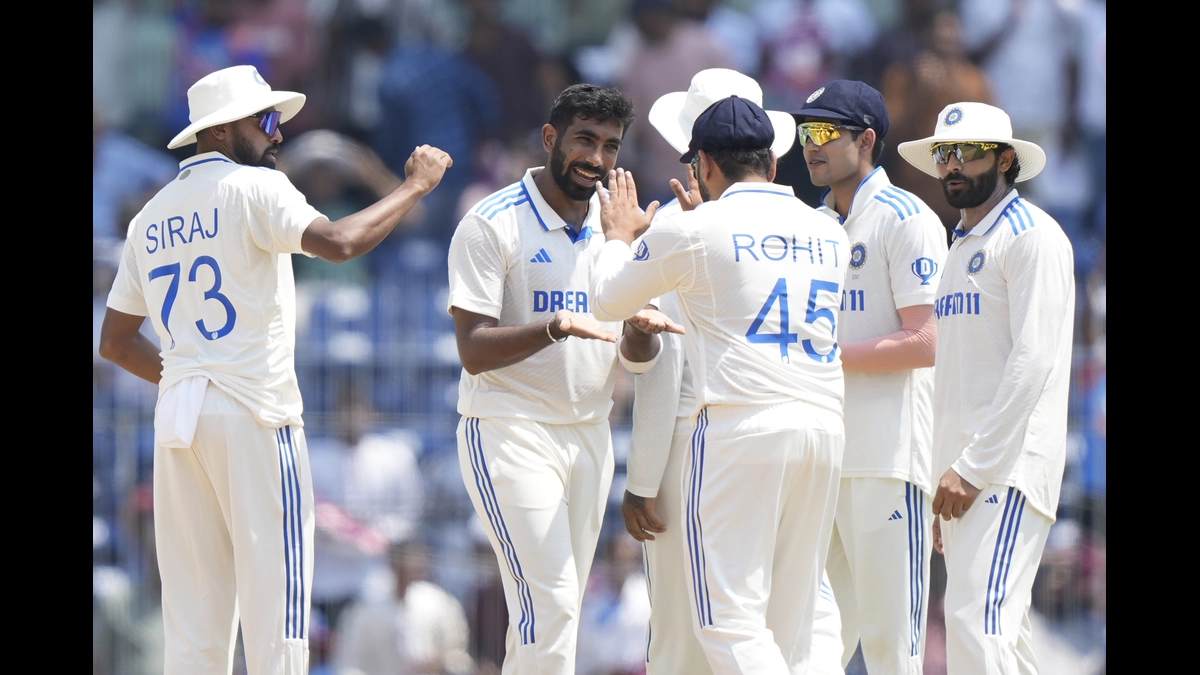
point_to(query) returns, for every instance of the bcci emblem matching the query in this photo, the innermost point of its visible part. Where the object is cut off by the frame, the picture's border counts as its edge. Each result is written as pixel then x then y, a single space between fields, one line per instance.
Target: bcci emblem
pixel 643 252
pixel 953 117
pixel 815 95
pixel 924 269
pixel 858 256
pixel 976 263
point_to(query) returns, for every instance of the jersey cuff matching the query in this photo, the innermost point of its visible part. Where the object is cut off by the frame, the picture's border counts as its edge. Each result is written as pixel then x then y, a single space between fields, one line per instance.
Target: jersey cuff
pixel 914 299
pixel 976 481
pixel 642 491
pixel 127 305
pixel 473 305
pixel 639 367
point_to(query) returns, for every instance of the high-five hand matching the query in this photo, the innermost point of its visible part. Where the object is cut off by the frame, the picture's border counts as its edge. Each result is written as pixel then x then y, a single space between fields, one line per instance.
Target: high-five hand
pixel 689 198
pixel 620 215
pixel 652 321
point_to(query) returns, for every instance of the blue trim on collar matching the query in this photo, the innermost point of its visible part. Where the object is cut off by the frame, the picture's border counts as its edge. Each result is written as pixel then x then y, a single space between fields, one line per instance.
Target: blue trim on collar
pixel 533 205
pixel 769 192
pixel 576 237
pixel 1005 210
pixel 204 161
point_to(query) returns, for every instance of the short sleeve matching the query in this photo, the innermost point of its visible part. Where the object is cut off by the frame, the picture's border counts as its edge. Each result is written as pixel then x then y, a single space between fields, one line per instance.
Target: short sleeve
pixel 478 266
pixel 126 295
pixel 916 254
pixel 278 213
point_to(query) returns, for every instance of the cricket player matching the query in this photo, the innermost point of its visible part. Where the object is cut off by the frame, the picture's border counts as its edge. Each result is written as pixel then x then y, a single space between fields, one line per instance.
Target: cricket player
pixel 208 260
pixel 879 556
pixel 663 406
pixel 762 470
pixel 1005 310
pixel 534 443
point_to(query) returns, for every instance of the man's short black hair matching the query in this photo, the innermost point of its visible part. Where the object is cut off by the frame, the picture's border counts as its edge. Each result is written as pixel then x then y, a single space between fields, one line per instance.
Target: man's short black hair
pixel 1010 176
pixel 876 150
pixel 591 102
pixel 737 165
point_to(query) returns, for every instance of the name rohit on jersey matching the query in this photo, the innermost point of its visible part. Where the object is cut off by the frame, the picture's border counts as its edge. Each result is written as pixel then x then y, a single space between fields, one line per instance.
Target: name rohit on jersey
pixel 552 301
pixel 777 247
pixel 174 231
pixel 953 304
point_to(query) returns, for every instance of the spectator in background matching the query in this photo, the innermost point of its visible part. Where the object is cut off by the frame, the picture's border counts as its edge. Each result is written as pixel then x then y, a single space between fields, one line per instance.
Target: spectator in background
pixel 429 94
pixel 508 57
pixel 419 629
pixel 1091 55
pixel 668 50
pixel 125 175
pixel 899 43
pixel 916 89
pixel 368 493
pixel 735 30
pixel 616 611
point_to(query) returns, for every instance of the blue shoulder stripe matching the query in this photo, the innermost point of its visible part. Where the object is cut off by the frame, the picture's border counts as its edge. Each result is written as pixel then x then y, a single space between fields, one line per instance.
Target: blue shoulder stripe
pixel 1025 212
pixel 514 200
pixel 905 196
pixel 891 203
pixel 498 196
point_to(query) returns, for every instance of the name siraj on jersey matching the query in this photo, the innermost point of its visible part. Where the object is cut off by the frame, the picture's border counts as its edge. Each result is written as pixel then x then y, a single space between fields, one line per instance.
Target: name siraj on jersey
pixel 171 233
pixel 776 247
pixel 956 303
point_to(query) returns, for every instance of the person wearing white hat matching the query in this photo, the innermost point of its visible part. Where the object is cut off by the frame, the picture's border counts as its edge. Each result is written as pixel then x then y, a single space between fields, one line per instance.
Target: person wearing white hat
pixel 664 402
pixel 208 260
pixel 1005 312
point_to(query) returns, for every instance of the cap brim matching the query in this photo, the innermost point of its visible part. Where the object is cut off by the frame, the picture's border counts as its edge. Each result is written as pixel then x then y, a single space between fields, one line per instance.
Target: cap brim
pixel 664 117
pixel 823 114
pixel 918 153
pixel 287 102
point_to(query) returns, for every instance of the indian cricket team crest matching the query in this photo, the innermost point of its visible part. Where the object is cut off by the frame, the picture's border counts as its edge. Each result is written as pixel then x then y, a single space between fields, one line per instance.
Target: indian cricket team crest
pixel 858 256
pixel 815 95
pixel 953 117
pixel 643 252
pixel 976 263
pixel 924 269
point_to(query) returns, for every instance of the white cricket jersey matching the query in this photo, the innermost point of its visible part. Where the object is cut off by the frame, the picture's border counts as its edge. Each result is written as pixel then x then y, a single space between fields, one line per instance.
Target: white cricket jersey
pixel 208 260
pixel 897 252
pixel 1006 312
pixel 759 278
pixel 661 397
pixel 513 258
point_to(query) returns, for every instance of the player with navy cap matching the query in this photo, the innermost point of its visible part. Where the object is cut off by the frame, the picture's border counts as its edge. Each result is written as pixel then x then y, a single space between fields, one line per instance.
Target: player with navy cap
pixel 208 260
pixel 879 555
pixel 1005 310
pixel 758 276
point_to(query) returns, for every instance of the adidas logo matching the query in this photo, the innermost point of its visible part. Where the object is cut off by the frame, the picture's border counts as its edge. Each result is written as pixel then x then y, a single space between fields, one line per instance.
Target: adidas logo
pixel 896 515
pixel 993 499
pixel 541 256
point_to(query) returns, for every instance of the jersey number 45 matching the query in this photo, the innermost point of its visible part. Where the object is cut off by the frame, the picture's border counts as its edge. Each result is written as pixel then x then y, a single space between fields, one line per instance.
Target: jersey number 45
pixel 784 338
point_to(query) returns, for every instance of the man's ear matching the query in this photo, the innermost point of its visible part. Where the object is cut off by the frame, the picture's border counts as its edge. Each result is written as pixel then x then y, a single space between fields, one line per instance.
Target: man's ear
pixel 549 137
pixel 774 167
pixel 866 142
pixel 1006 159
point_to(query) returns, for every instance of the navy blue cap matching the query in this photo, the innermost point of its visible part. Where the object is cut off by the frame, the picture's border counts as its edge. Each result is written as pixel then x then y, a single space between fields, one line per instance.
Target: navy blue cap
pixel 732 123
pixel 850 102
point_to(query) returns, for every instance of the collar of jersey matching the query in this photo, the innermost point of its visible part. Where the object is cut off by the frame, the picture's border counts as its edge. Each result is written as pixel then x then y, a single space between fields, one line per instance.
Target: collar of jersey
pixel 549 218
pixel 874 182
pixel 204 158
pixel 992 217
pixel 768 188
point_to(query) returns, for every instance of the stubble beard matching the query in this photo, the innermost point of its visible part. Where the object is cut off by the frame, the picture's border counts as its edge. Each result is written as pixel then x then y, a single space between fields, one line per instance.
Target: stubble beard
pixel 244 153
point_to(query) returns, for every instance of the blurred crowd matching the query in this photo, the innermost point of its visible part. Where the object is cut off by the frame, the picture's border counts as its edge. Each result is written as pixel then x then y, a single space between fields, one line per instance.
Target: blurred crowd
pixel 405 582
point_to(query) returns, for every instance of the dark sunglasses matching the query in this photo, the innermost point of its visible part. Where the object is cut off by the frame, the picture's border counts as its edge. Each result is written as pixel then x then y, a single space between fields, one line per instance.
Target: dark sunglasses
pixel 268 121
pixel 965 152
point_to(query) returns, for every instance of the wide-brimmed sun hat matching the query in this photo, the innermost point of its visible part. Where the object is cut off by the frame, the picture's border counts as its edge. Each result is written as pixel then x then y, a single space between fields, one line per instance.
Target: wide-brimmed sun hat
pixel 967 122
pixel 232 94
pixel 674 114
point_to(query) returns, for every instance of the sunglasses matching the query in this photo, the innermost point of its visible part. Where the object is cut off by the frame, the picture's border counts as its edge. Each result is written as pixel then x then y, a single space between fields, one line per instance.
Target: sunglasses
pixel 965 152
pixel 268 121
pixel 821 133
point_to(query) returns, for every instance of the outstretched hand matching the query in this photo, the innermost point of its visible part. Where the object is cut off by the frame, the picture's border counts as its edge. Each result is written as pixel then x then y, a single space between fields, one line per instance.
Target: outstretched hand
pixel 581 326
pixel 652 321
pixel 691 197
pixel 620 216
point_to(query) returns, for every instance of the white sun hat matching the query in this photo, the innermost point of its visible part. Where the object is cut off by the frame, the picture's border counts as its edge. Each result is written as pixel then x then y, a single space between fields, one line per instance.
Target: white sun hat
pixel 674 114
pixel 232 94
pixel 966 122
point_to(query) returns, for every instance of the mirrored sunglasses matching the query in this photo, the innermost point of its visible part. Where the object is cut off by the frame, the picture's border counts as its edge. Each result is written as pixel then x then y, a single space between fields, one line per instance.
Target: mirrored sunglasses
pixel 821 133
pixel 268 121
pixel 965 152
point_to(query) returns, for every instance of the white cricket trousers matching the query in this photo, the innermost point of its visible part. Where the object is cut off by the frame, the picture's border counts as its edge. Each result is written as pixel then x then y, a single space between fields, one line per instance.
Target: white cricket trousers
pixel 992 557
pixel 233 521
pixel 671 644
pixel 879 567
pixel 540 490
pixel 759 496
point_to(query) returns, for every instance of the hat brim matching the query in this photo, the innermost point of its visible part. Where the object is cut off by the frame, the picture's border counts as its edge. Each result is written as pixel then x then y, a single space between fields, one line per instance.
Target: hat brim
pixel 919 154
pixel 822 114
pixel 665 113
pixel 287 102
